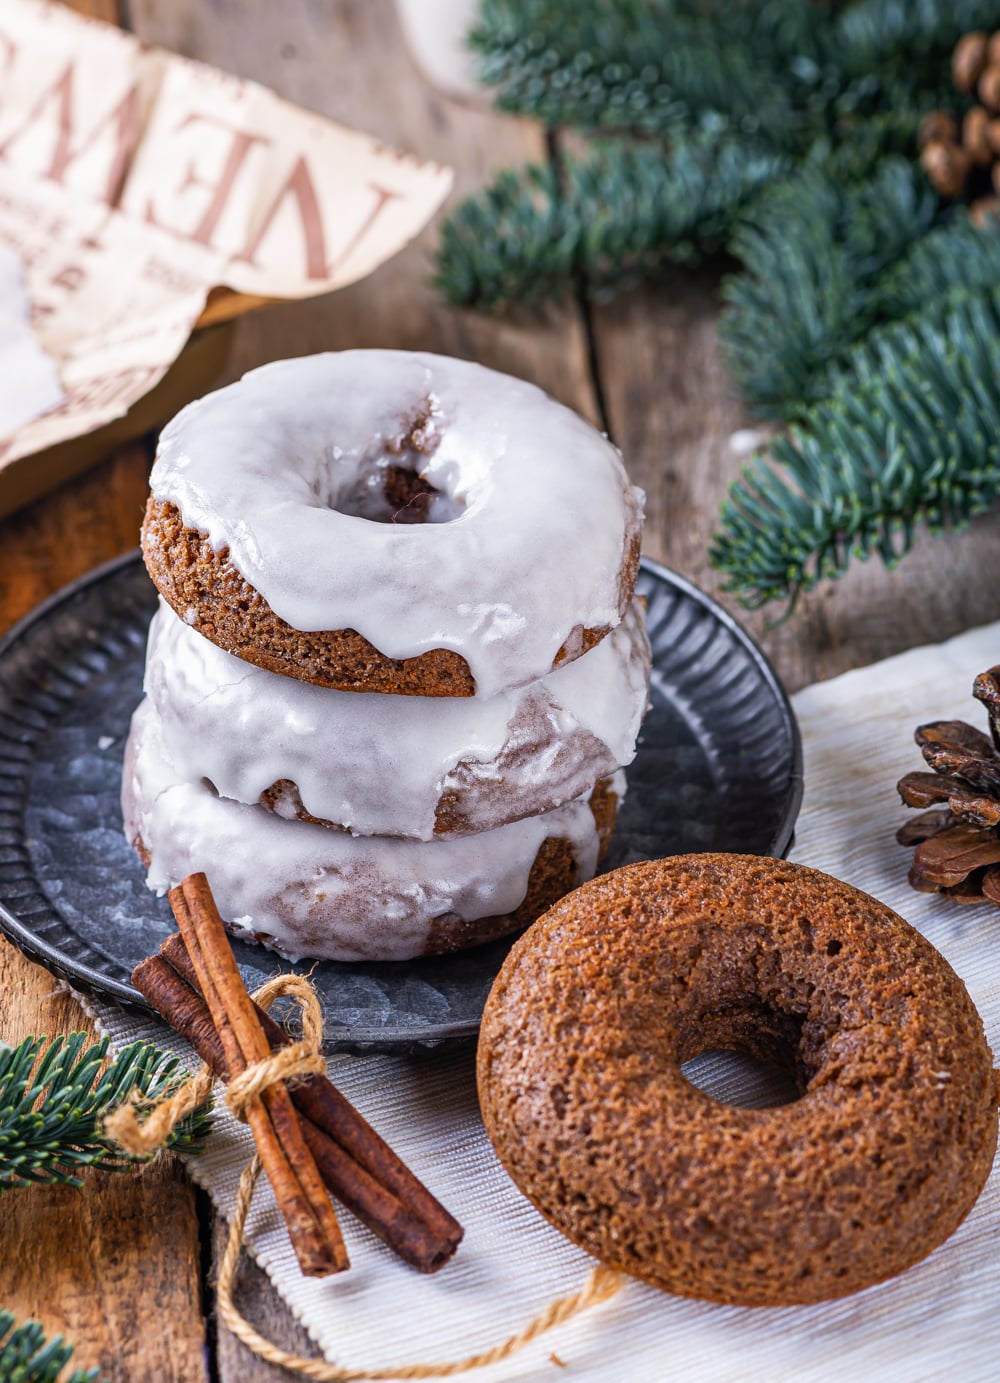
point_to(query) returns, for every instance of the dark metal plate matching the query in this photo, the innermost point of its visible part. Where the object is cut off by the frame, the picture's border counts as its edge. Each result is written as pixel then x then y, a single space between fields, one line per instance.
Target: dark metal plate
pixel 718 768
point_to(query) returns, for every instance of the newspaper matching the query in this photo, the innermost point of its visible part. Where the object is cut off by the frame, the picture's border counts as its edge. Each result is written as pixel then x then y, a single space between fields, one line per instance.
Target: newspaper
pixel 133 181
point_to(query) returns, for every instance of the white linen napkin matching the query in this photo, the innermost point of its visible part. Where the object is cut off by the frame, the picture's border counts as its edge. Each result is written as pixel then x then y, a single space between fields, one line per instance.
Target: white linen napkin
pixel 940 1319
pixel 29 384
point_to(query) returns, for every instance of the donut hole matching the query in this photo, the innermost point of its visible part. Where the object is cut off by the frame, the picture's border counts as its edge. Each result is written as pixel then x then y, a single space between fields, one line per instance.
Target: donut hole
pixel 384 491
pixel 747 1056
pixel 387 483
pixel 741 1079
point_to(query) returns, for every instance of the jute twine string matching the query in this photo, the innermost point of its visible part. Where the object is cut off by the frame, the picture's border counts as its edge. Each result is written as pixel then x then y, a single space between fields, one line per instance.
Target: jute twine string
pixel 141 1137
pixel 295 1062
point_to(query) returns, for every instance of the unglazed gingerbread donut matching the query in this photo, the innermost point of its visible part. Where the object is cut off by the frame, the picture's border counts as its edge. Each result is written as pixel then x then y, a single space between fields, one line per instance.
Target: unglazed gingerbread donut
pixel 602 1001
pixel 304 890
pixel 392 522
pixel 408 766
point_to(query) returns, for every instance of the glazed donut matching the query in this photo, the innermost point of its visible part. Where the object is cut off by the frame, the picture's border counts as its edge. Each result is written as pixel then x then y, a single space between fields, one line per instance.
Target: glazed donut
pixel 304 890
pixel 396 765
pixel 601 1003
pixel 393 522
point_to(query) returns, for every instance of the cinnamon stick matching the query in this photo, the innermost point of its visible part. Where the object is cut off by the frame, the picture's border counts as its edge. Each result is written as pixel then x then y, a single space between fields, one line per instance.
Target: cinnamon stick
pixel 290 1166
pixel 321 1102
pixel 396 1220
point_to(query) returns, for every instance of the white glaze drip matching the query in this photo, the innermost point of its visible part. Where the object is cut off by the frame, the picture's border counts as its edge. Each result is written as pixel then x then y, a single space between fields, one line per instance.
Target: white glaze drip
pixel 525 544
pixel 378 765
pixel 325 893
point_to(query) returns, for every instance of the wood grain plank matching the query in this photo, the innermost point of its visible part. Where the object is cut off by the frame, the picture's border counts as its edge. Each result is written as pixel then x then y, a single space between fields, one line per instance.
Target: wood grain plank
pixel 108 10
pixel 257 1300
pixel 85 522
pixel 672 410
pixel 115 1265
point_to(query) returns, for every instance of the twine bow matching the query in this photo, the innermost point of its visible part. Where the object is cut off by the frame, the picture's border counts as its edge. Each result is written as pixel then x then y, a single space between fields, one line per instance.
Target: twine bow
pixel 143 1136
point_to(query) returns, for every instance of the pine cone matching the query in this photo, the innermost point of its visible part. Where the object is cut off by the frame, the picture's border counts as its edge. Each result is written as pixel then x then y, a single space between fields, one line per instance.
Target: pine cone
pixel 969 60
pixel 958 841
pixel 947 166
pixel 961 159
pixel 975 139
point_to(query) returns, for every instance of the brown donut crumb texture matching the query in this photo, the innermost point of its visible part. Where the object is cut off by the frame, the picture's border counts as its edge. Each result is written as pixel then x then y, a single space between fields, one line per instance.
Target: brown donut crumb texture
pixel 205 589
pixel 879 1159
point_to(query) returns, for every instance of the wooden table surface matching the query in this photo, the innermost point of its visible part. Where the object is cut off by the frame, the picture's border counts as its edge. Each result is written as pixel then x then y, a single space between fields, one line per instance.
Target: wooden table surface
pixel 124 1268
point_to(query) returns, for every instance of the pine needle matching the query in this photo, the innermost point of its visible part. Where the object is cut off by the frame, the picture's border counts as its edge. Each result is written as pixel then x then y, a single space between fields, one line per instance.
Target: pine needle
pixel 53 1099
pixel 909 437
pixel 752 67
pixel 813 252
pixel 955 258
pixel 27 1357
pixel 875 36
pixel 608 219
pixel 865 312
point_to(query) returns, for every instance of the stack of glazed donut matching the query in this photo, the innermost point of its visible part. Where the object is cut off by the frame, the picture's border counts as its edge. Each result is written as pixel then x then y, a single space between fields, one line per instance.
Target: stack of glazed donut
pixel 398 666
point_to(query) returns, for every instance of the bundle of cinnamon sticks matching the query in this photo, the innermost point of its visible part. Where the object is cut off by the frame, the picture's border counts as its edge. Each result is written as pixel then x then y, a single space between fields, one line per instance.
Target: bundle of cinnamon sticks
pixel 312 1142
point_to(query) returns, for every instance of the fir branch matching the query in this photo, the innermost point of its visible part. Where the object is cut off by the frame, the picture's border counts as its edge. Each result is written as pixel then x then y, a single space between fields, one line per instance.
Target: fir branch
pixel 906 36
pixel 832 89
pixel 812 255
pixel 893 59
pixel 783 72
pixel 27 1357
pixel 751 66
pixel 576 64
pixel 954 258
pixel 910 435
pixel 854 313
pixel 618 214
pixel 864 143
pixel 53 1099
pixel 949 267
